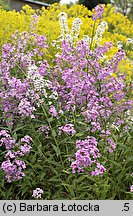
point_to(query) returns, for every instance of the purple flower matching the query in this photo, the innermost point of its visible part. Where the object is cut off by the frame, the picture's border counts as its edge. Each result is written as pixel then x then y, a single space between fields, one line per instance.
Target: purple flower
pixel 44 129
pixel 7 140
pixel 25 108
pixel 13 166
pixel 99 170
pixel 26 139
pixel 13 169
pixel 4 133
pixel 10 155
pixel 111 145
pixel 80 84
pixel 68 128
pixel 98 12
pixel 25 148
pixel 86 155
pixel 43 68
pixel 53 111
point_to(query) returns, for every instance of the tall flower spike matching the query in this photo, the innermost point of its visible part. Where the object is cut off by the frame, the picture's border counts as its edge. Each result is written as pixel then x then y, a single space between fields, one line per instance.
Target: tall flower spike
pixel 76 27
pixel 34 22
pixel 87 39
pixel 99 32
pixel 98 12
pixel 63 23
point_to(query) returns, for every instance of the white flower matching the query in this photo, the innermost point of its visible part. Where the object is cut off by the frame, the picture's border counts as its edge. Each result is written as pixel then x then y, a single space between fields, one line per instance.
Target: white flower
pixel 54 95
pixel 37 193
pixel 87 39
pixel 66 34
pixel 76 27
pixel 119 44
pixel 99 32
pixel 63 23
pixel 129 41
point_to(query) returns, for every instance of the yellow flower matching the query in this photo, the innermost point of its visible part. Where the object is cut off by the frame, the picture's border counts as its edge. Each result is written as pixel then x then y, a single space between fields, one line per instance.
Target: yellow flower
pixel 119 27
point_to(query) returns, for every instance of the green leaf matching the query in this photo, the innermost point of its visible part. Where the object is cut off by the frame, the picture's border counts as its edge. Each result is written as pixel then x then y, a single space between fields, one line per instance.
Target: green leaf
pixel 81 178
pixel 69 189
pixel 24 190
pixel 79 134
pixel 57 150
pixel 54 133
pixel 15 136
pixel 54 179
pixel 42 176
pixel 18 128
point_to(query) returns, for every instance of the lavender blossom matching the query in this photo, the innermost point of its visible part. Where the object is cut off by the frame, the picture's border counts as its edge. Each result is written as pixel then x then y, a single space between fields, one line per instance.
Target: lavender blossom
pixel 26 139
pixel 13 169
pixel 98 12
pixel 86 156
pixel 44 129
pixel 13 166
pixel 53 111
pixel 68 128
pixel 7 140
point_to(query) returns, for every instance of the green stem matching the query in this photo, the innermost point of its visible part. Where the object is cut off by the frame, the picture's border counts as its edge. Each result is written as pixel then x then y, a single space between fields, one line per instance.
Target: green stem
pixel 51 130
pixel 75 120
pixel 93 32
pixel 49 124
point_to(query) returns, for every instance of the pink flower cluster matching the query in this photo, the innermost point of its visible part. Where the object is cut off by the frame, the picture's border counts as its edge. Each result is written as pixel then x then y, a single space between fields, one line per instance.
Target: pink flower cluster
pixel 77 87
pixel 86 156
pixel 16 95
pixel 13 166
pixel 98 12
pixel 68 129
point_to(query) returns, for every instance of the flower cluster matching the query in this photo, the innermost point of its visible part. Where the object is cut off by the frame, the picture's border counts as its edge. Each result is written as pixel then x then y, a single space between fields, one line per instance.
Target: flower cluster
pixel 119 26
pixel 76 27
pixel 77 86
pixel 99 32
pixel 34 22
pixel 44 129
pixel 98 12
pixel 86 156
pixel 36 79
pixel 37 193
pixel 16 94
pixel 68 129
pixel 63 23
pixel 13 166
pixel 112 145
pixel 6 140
pixel 66 34
pixel 53 111
pixel 25 108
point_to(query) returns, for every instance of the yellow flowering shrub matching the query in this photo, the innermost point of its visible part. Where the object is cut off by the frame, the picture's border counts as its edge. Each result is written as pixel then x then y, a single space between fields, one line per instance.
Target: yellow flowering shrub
pixel 119 26
pixel 118 23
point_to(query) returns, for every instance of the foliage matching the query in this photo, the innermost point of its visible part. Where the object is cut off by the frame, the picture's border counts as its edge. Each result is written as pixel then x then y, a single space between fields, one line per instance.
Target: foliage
pixel 5 4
